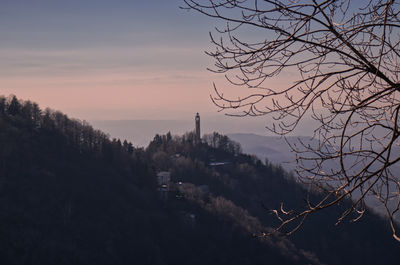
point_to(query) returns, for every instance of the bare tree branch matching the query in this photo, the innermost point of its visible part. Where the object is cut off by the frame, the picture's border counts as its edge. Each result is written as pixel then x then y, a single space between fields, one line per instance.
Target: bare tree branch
pixel 346 59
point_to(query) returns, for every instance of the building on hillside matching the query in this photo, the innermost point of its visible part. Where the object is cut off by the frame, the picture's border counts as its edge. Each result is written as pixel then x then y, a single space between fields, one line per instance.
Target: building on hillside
pixel 216 164
pixel 163 179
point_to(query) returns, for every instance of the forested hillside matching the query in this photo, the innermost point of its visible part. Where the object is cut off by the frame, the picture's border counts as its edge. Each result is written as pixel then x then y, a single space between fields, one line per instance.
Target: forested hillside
pixel 71 195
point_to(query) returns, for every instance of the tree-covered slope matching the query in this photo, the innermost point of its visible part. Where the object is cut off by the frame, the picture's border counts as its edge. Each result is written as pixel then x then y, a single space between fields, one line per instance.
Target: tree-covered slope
pixel 243 181
pixel 70 195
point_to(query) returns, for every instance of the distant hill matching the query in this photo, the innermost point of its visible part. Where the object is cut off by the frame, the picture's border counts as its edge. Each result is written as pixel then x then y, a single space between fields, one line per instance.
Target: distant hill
pixel 71 195
pixel 276 150
pixel 272 148
pixel 141 132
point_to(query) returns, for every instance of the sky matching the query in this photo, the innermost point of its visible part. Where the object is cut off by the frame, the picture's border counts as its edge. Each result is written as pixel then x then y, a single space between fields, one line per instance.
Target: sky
pixel 107 59
pixel 111 59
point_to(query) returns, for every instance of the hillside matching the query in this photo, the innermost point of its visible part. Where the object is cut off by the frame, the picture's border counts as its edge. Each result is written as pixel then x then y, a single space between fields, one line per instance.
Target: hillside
pixel 71 195
pixel 276 150
pixel 272 148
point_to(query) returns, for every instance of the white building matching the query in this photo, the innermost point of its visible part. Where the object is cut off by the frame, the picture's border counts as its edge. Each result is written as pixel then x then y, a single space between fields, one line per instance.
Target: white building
pixel 163 178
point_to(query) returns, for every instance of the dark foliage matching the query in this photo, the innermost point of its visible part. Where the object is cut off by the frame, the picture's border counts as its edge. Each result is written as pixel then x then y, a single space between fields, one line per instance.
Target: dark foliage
pixel 70 195
pixel 247 183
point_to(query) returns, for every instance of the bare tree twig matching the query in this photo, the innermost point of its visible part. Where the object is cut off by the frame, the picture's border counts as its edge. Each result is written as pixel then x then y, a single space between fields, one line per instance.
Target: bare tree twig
pixel 347 62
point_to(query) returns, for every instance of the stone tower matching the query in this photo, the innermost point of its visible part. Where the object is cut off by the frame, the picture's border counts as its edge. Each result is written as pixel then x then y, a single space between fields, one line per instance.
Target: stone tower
pixel 197 120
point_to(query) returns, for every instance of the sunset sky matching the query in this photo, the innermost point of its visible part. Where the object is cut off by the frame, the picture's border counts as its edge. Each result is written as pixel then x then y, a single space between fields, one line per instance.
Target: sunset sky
pixel 103 59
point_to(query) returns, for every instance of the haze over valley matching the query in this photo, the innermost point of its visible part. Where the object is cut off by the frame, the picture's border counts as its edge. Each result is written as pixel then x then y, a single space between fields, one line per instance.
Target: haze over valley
pixel 141 132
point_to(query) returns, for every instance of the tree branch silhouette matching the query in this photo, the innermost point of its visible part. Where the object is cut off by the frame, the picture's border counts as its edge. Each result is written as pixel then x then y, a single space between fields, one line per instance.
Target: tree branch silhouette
pixel 346 58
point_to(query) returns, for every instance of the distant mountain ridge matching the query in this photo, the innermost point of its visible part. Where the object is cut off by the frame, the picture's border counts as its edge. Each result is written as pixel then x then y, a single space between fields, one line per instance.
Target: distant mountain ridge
pixel 276 150
pixel 273 148
pixel 141 132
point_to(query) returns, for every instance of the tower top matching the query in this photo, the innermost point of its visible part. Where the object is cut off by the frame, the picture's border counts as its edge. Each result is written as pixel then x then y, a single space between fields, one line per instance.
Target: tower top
pixel 197 131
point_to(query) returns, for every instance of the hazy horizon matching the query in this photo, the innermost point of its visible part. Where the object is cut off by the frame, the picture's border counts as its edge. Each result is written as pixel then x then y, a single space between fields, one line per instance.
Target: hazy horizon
pixel 104 62
pixel 141 131
pixel 112 60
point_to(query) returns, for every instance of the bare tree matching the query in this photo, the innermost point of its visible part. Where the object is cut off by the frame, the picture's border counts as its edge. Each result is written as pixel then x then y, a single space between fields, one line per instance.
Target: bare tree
pixel 345 58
